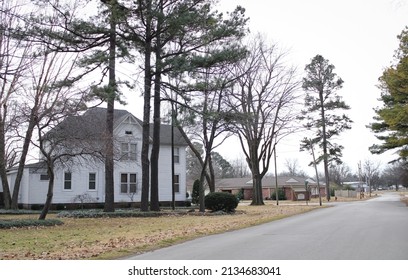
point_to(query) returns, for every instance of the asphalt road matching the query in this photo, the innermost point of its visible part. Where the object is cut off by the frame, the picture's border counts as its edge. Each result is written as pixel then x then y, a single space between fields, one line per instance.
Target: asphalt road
pixel 375 229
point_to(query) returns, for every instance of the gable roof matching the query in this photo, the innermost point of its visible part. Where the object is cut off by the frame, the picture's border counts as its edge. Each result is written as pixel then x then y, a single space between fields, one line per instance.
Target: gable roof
pixel 92 124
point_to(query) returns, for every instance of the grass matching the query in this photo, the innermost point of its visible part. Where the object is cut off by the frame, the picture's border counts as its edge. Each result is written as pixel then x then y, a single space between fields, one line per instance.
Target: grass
pixel 111 238
pixel 404 197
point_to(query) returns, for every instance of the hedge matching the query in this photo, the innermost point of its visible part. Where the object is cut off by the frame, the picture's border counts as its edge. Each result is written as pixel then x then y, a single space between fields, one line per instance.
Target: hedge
pixel 221 201
pixel 4 224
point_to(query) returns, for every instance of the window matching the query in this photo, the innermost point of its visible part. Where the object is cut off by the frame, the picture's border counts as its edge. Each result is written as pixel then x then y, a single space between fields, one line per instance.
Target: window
pixel 92 181
pixel 128 132
pixel 44 177
pixel 128 151
pixel 176 155
pixel 128 183
pixel 176 183
pixel 67 181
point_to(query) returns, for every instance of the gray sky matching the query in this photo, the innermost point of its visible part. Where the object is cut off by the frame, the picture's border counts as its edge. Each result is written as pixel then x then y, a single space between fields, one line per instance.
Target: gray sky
pixel 358 37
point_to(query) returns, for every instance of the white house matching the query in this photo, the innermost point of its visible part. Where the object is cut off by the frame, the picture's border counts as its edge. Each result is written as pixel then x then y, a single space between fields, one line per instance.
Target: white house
pixel 84 181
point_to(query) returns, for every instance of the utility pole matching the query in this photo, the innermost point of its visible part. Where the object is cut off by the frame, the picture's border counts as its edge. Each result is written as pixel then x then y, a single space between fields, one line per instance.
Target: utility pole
pixel 276 178
pixel 359 181
pixel 173 193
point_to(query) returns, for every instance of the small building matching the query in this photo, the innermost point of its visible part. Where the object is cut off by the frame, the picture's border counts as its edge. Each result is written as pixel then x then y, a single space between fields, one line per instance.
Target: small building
pixel 82 181
pixel 295 188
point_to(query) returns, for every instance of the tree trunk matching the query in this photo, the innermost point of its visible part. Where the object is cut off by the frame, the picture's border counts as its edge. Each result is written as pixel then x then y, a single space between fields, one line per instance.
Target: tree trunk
pixel 6 188
pixel 257 198
pixel 154 159
pixel 201 189
pixel 3 167
pixel 21 165
pixel 195 151
pixel 325 155
pixel 109 158
pixel 144 206
pixel 109 161
pixel 50 192
pixel 211 183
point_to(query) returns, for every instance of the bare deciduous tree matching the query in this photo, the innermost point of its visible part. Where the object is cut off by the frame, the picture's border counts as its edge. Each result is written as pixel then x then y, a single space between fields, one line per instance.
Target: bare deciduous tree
pixel 263 102
pixel 339 173
pixel 240 168
pixel 15 58
pixel 293 168
pixel 49 102
pixel 370 170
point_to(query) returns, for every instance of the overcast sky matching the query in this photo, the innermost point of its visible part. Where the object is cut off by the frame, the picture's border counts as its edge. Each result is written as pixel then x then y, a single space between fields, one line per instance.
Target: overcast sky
pixel 358 37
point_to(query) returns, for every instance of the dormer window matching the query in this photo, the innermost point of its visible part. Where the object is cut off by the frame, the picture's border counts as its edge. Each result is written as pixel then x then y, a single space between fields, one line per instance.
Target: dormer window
pixel 128 132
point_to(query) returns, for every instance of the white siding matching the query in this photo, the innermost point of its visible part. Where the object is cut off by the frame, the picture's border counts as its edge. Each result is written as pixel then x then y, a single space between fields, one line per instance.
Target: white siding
pixel 165 179
pixel 34 191
pixel 80 183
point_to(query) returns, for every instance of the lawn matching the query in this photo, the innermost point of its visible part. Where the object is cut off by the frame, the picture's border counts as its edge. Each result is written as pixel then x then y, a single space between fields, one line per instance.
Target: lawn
pixel 111 238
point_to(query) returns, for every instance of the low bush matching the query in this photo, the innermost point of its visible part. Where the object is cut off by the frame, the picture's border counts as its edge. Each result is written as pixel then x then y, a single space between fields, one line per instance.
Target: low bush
pixel 196 192
pixel 221 201
pixel 240 194
pixel 281 195
pixel 29 223
pixel 18 212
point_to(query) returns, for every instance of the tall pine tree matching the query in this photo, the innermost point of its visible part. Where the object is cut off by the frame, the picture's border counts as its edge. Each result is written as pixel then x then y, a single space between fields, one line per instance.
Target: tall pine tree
pixel 392 118
pixel 322 103
pixel 171 35
pixel 100 44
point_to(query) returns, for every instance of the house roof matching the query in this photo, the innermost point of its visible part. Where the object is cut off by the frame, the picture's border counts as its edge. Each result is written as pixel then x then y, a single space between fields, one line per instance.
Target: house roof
pixel 267 182
pixel 92 124
pixel 40 165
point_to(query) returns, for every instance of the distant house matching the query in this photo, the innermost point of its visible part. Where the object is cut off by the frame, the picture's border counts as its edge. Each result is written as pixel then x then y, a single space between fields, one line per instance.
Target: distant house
pixel 84 181
pixel 358 186
pixel 294 187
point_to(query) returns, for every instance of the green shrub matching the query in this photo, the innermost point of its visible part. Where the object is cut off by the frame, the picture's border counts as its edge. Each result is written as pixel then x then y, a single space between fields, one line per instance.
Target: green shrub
pixel 18 212
pixel 221 201
pixel 281 195
pixel 60 207
pixel 29 223
pixel 348 187
pixel 36 207
pixel 240 194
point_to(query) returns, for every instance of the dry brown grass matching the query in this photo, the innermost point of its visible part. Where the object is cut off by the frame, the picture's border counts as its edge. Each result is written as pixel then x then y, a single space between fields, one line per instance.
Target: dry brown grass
pixel 404 197
pixel 109 238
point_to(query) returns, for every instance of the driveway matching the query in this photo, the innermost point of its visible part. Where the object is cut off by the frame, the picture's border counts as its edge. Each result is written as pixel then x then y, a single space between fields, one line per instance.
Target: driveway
pixel 375 229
